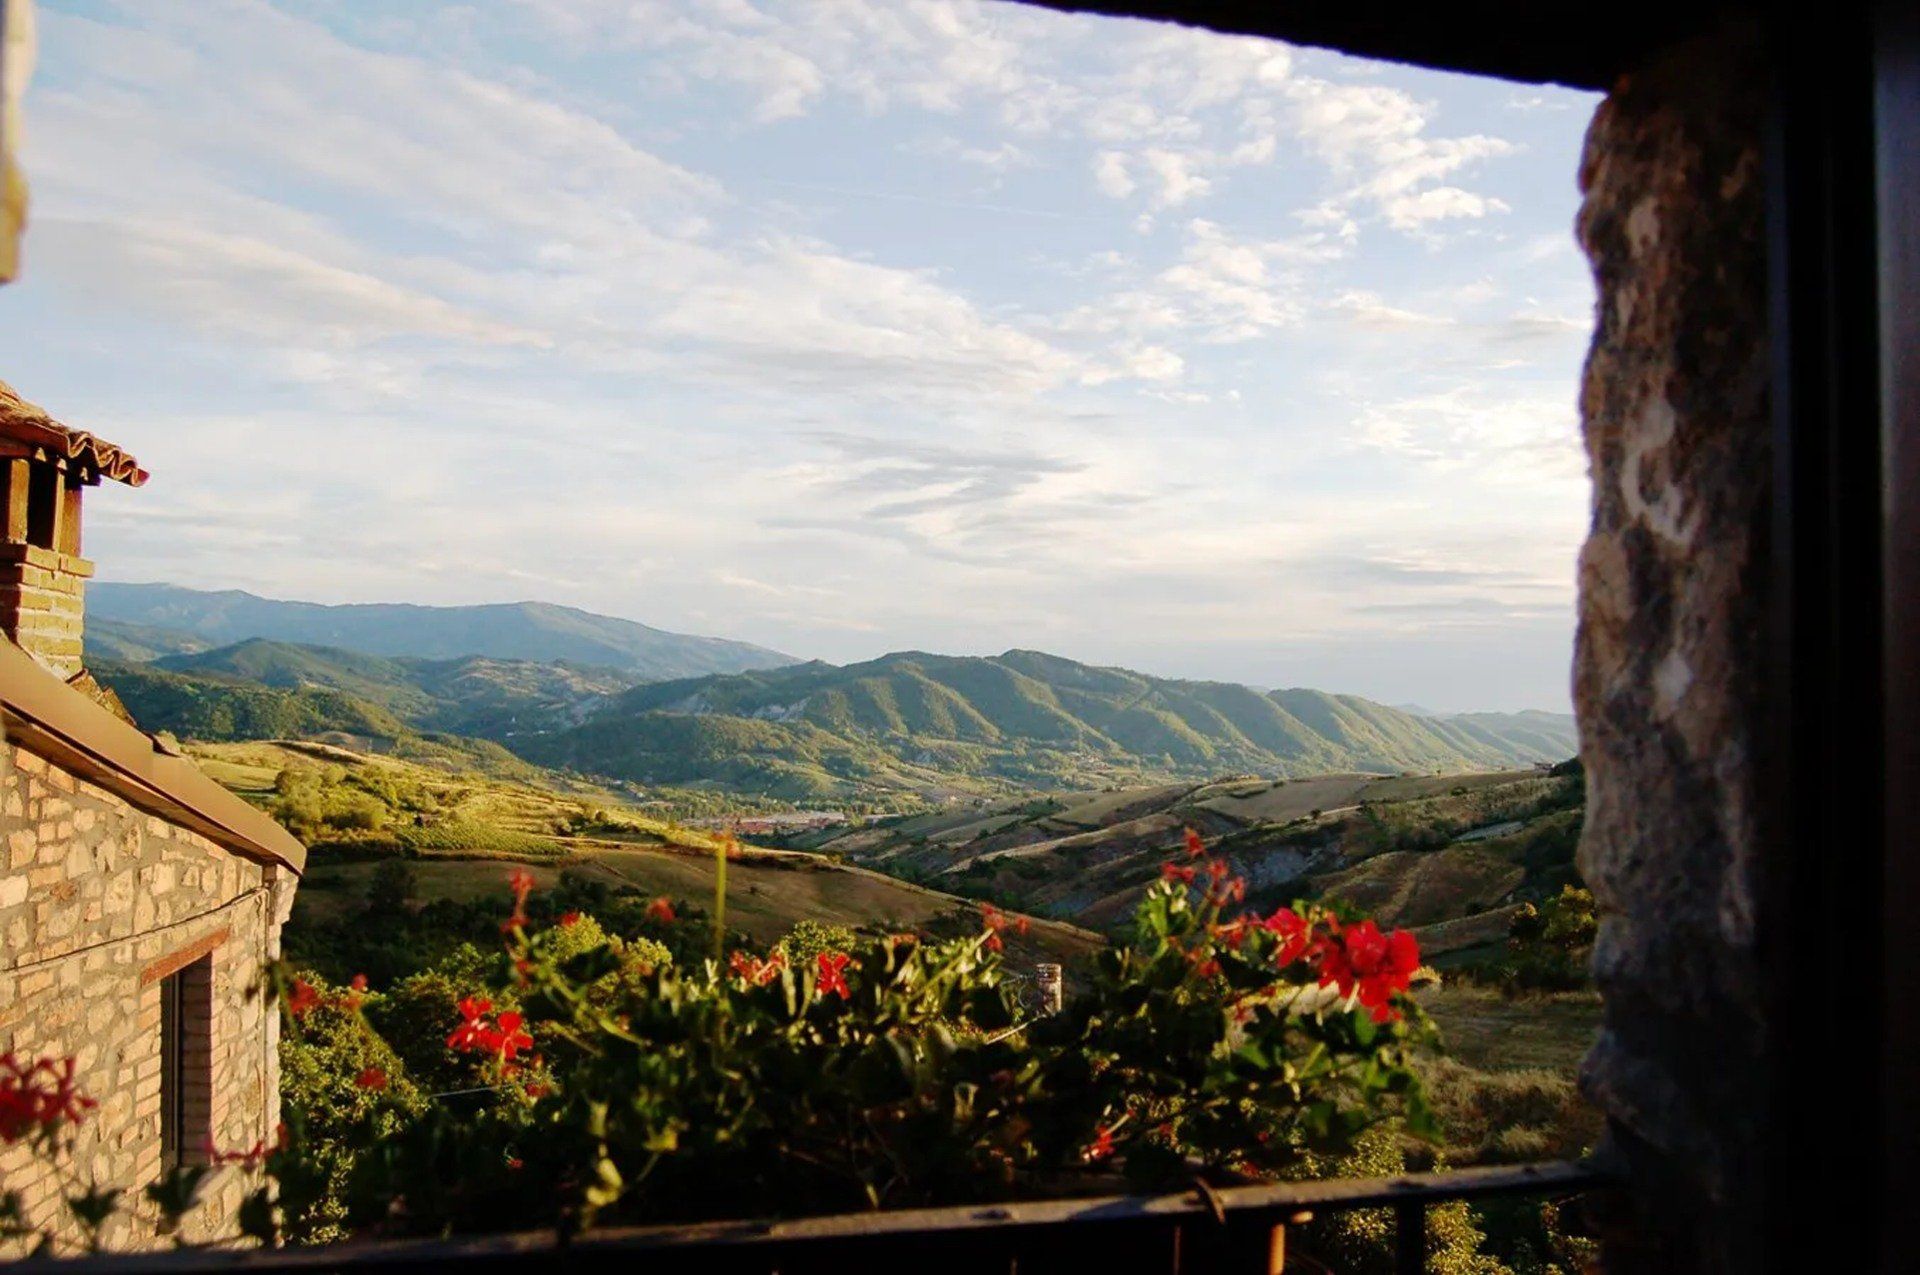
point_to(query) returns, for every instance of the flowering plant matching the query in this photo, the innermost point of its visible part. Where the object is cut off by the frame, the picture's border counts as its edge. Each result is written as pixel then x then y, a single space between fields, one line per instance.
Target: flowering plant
pixel 900 1071
pixel 594 1080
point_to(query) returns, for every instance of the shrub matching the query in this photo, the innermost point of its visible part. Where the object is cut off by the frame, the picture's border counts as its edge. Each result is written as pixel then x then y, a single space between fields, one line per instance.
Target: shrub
pixel 894 1071
pixel 1549 946
pixel 808 938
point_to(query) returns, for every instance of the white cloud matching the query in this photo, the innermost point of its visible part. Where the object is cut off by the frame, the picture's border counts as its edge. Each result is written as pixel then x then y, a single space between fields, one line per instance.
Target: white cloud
pixel 1177 176
pixel 1509 435
pixel 250 288
pixel 1411 212
pixel 1111 176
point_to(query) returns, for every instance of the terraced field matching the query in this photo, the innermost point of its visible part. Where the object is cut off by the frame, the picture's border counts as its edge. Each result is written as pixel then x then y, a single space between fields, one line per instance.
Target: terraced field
pixel 1452 851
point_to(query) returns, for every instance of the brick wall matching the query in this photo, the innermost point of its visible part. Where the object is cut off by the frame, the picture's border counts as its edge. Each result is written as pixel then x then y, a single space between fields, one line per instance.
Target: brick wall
pixel 42 604
pixel 99 903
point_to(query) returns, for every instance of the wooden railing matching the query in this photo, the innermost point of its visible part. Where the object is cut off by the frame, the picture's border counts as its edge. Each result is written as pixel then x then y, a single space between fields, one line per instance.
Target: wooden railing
pixel 1229 1230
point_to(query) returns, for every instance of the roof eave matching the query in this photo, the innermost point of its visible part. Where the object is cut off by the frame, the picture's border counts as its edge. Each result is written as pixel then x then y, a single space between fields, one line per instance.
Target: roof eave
pixel 54 721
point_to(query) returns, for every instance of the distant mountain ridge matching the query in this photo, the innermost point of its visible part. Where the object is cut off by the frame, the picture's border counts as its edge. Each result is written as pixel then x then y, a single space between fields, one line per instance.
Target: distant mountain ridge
pixel 1024 718
pixel 905 722
pixel 166 614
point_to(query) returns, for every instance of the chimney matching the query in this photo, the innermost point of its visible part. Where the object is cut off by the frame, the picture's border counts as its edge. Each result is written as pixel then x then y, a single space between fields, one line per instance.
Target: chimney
pixel 45 468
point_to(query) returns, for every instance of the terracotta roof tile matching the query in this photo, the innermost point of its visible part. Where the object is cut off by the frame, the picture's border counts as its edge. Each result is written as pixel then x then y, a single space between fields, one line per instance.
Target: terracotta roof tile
pixel 23 422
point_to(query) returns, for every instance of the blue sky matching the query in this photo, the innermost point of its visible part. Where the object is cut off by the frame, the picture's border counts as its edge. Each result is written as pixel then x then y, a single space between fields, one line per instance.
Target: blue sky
pixel 842 326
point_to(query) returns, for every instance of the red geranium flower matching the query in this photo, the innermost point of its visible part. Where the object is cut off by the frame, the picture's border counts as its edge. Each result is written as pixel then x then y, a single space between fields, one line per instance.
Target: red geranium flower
pixel 755 971
pixel 371 1078
pixel 1195 846
pixel 476 1034
pixel 832 976
pixel 1102 1145
pixel 301 998
pixel 1175 872
pixel 38 1096
pixel 1292 931
pixel 1362 960
pixel 661 910
pixel 569 919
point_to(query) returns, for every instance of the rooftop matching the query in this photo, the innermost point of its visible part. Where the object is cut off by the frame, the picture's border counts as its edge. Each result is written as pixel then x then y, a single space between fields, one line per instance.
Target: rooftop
pixel 28 425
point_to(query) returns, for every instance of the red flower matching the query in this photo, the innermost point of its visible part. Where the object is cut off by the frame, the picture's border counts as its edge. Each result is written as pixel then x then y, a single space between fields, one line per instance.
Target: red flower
pixel 38 1097
pixel 521 883
pixel 510 1039
pixel 755 971
pixel 1195 846
pixel 661 910
pixel 301 998
pixel 1362 960
pixel 996 921
pixel 1217 868
pixel 358 983
pixel 832 976
pixel 1175 872
pixel 1208 968
pixel 569 919
pixel 502 1038
pixel 515 1163
pixel 1292 931
pixel 252 1158
pixel 1102 1145
pixel 371 1078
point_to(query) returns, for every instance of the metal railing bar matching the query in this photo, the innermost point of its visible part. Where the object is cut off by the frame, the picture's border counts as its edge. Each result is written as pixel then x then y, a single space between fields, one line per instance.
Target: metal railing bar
pixel 1410 1238
pixel 751 1242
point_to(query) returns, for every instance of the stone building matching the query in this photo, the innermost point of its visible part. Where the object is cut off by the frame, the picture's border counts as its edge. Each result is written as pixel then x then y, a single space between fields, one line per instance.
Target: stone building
pixel 138 899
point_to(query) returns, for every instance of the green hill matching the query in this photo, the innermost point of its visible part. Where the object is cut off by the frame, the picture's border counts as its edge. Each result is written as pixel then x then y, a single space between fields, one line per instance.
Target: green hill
pixel 204 708
pixel 473 695
pixel 511 631
pixel 1022 719
pixel 908 723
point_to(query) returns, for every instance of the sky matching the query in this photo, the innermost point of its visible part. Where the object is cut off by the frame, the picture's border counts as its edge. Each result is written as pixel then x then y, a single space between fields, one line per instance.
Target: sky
pixel 840 326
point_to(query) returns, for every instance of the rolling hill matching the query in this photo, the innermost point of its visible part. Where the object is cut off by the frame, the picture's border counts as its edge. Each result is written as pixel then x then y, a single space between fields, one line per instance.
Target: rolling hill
pixel 513 630
pixel 1447 855
pixel 472 695
pixel 1022 719
pixel 909 723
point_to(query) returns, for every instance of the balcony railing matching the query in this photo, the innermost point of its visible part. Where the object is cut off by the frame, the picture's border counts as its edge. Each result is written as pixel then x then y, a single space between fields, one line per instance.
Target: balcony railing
pixel 1240 1229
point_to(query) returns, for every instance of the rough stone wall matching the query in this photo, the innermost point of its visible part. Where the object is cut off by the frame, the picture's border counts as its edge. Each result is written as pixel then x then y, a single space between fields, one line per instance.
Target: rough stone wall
pixel 1668 665
pixel 97 902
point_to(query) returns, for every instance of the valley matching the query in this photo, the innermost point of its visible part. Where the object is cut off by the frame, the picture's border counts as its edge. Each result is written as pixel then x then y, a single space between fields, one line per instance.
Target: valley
pixel 902 794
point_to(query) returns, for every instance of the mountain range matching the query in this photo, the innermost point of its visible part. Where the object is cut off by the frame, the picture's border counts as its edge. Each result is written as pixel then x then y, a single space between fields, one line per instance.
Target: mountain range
pixel 906 722
pixel 1022 719
pixel 139 621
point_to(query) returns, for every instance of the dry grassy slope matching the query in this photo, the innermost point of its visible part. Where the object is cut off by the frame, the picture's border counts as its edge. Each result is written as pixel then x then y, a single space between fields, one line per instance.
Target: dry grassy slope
pixel 768 890
pixel 1386 844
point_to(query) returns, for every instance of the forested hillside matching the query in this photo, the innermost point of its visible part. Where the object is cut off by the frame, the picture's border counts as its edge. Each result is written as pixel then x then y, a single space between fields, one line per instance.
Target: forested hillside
pixel 1020 719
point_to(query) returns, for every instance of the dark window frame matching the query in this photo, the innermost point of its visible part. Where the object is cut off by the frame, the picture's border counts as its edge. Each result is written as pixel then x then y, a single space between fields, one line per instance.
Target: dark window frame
pixel 186 1050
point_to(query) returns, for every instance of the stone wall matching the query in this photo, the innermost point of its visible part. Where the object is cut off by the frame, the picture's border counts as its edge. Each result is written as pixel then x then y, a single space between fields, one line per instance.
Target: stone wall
pixel 1668 664
pixel 98 903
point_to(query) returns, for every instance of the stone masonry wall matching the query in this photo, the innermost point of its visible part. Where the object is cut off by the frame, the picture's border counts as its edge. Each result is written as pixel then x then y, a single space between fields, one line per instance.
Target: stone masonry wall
pixel 1668 662
pixel 98 901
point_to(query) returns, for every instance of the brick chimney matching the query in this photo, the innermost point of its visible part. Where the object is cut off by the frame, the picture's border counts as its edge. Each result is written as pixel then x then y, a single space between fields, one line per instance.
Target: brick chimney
pixel 45 468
